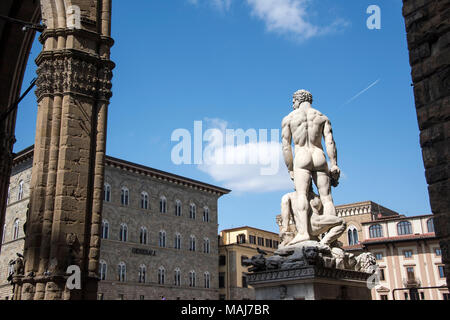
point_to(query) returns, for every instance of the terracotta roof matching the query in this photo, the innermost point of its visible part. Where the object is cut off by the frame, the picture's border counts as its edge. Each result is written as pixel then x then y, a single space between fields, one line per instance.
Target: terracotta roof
pixel 353 247
pixel 401 217
pixel 408 237
pixel 247 227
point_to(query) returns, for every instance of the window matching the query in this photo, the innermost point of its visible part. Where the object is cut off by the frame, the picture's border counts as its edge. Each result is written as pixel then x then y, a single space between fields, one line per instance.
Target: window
pixel 142 273
pixel 161 275
pixel 438 252
pixel 222 260
pixel 123 235
pixel 244 281
pixel 252 239
pixel 162 239
pixel 163 205
pixel 20 193
pixel 103 269
pixel 207 280
pixel 206 245
pixel 177 277
pixel 275 244
pixel 243 258
pixel 192 211
pixel 379 256
pixel 410 273
pixel 382 275
pixel 446 296
pixel 404 227
pixel 121 296
pixel 422 295
pixel 122 268
pixel 9 195
pixel 384 297
pixel 192 243
pixel 143 235
pixel 407 254
pixel 16 229
pixel 406 295
pixel 125 196
pixel 269 243
pixel 430 225
pixel 177 241
pixel 205 214
pixel 376 231
pixel 352 235
pixel 144 200
pixel 192 279
pixel 241 238
pixel 141 297
pixel 441 272
pixel 100 296
pixel 105 229
pixel 222 280
pixel 178 208
pixel 260 241
pixel 107 193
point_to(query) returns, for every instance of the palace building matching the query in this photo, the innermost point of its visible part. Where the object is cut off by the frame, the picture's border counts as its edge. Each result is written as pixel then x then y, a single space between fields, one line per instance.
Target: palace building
pixel 159 232
pixel 235 246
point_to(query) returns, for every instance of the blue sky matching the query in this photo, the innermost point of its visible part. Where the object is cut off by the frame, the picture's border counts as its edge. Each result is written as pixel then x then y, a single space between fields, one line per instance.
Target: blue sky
pixel 236 64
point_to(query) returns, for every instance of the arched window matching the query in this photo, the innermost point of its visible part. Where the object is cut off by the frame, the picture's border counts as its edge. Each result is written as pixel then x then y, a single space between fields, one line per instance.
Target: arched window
pixel 404 227
pixel 144 200
pixel 123 236
pixel 352 235
pixel 205 214
pixel 143 235
pixel 207 279
pixel 376 231
pixel 192 211
pixel 206 245
pixel 16 229
pixel 430 225
pixel 142 273
pixel 107 193
pixel 122 272
pixel 162 204
pixel 161 275
pixel 125 196
pixel 105 229
pixel 192 243
pixel 192 279
pixel 177 277
pixel 103 268
pixel 177 244
pixel 20 193
pixel 9 195
pixel 178 208
pixel 162 239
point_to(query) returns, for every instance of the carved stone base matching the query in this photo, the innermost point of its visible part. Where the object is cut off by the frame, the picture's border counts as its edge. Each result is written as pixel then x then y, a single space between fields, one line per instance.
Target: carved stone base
pixel 310 283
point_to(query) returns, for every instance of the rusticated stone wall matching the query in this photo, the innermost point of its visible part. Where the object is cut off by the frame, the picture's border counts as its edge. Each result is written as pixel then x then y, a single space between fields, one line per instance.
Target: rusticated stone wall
pixel 428 33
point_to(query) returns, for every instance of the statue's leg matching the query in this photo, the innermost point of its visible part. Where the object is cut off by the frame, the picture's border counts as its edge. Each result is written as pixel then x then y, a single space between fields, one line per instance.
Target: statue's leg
pixel 336 227
pixel 302 180
pixel 322 181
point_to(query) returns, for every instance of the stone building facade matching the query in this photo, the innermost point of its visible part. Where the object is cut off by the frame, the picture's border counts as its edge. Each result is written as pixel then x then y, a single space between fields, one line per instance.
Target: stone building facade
pixel 428 35
pixel 235 245
pixel 159 233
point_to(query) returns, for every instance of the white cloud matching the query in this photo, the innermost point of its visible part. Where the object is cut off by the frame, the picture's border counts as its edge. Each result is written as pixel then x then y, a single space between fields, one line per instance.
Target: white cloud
pixel 285 17
pixel 251 167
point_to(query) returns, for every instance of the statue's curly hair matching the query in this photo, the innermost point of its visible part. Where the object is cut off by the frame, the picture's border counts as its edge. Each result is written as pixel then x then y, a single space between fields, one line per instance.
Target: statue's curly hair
pixel 303 96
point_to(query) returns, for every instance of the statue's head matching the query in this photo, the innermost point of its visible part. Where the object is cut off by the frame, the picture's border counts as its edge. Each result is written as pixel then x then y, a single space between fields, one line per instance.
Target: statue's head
pixel 301 96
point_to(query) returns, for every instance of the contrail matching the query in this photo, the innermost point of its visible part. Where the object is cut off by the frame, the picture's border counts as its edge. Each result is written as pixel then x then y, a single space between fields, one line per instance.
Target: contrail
pixel 356 96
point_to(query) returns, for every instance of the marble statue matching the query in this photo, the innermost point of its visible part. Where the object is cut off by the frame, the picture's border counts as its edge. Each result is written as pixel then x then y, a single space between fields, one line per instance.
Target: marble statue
pixel 309 226
pixel 305 127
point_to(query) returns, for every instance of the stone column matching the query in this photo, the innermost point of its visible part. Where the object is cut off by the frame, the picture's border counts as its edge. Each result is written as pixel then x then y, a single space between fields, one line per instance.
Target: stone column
pixel 73 91
pixel 428 34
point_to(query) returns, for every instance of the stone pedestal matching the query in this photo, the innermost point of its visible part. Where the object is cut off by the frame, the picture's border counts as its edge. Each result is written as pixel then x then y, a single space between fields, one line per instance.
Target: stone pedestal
pixel 310 283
